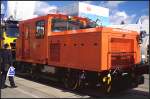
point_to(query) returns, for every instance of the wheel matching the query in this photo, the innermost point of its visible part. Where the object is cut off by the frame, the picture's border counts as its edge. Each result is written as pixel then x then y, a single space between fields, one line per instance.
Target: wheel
pixel 71 80
pixel 35 73
pixel 21 67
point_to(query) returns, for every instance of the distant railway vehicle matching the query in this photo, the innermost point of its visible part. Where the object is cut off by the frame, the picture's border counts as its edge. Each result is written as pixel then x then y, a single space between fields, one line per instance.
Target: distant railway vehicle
pixel 9 32
pixel 8 35
pixel 78 52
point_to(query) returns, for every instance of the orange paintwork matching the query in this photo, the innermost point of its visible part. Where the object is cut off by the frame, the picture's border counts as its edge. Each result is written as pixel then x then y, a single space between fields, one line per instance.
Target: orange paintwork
pixel 92 49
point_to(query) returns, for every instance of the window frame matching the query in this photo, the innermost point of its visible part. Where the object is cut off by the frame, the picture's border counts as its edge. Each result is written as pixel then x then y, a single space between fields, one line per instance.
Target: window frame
pixel 69 25
pixel 27 29
pixel 53 23
pixel 37 34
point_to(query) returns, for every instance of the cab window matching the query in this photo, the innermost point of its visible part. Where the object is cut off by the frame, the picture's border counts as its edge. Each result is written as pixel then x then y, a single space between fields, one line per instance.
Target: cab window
pixel 59 25
pixel 40 29
pixel 12 30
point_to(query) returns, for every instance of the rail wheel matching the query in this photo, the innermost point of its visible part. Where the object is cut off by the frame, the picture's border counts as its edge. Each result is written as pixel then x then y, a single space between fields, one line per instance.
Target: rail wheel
pixel 35 73
pixel 71 80
pixel 21 67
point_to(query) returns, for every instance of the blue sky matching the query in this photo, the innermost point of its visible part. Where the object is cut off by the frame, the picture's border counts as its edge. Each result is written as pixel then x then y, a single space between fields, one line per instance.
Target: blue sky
pixel 129 6
pixel 137 8
pixel 129 11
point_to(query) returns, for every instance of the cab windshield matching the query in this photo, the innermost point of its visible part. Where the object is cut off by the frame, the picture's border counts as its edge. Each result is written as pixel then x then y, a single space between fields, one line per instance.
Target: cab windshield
pixel 59 24
pixel 63 25
pixel 12 31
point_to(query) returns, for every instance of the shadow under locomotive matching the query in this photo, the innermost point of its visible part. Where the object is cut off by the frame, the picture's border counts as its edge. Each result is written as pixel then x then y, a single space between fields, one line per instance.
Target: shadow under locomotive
pixel 119 90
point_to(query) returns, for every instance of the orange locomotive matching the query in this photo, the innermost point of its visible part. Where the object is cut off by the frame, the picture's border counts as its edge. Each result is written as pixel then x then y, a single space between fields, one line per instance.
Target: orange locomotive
pixel 77 51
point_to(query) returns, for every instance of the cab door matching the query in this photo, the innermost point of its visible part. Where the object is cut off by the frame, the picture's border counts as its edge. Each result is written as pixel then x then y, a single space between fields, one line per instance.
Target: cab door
pixel 26 41
pixel 39 43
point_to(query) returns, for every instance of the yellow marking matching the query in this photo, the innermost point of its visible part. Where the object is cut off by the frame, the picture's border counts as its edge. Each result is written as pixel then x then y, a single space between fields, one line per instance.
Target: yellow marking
pixel 75 85
pixel 104 79
pixel 108 89
pixel 8 40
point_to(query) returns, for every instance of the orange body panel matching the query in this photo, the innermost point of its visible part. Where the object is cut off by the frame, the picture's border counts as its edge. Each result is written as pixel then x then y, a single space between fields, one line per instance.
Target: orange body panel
pixel 92 49
pixel 80 51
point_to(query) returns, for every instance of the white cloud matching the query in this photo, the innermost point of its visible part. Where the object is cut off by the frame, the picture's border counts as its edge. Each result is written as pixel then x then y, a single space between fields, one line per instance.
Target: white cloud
pixel 145 19
pixel 88 2
pixel 122 14
pixel 43 8
pixel 145 23
pixel 112 4
pixel 118 16
pixel 22 10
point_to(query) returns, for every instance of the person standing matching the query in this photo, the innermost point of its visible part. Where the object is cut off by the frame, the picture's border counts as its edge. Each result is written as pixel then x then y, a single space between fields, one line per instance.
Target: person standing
pixel 6 62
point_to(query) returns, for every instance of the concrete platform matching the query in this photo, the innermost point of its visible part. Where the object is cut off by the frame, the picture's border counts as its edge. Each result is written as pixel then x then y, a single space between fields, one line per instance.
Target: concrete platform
pixel 31 89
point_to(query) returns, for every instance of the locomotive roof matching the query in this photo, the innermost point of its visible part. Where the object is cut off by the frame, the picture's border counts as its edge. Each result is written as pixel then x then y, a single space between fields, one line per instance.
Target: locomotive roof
pixel 56 15
pixel 108 29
